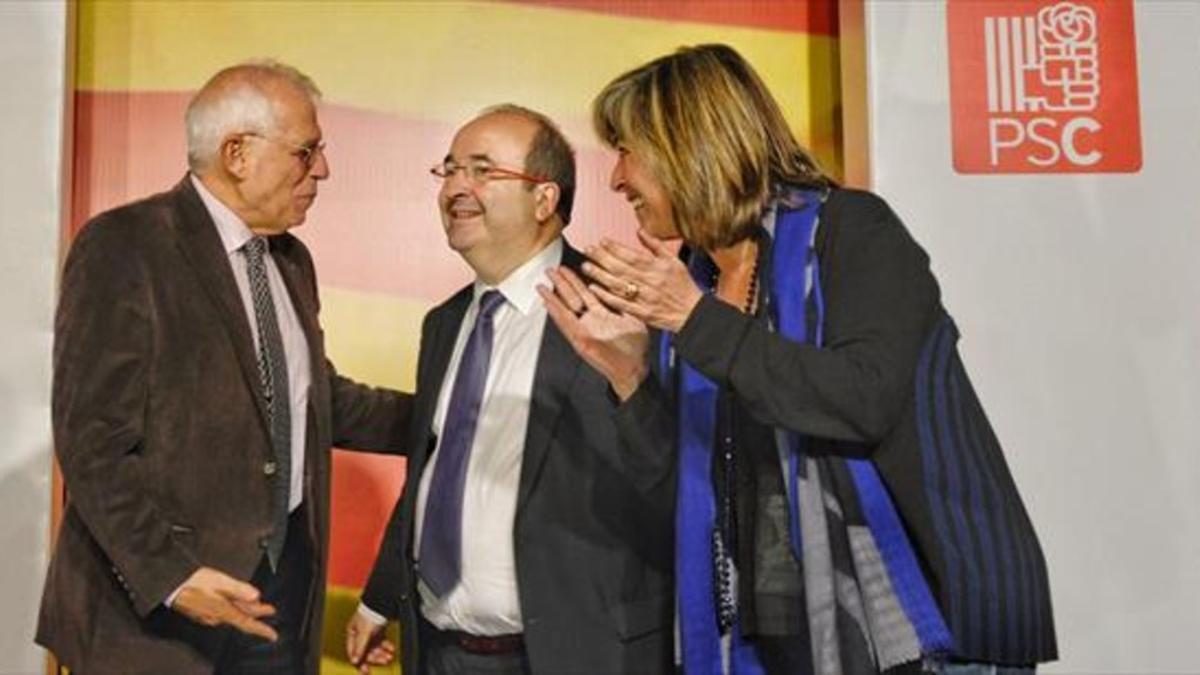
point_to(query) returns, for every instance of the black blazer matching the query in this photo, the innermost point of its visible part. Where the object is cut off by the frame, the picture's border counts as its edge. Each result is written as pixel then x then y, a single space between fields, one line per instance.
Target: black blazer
pixel 888 385
pixel 160 429
pixel 593 543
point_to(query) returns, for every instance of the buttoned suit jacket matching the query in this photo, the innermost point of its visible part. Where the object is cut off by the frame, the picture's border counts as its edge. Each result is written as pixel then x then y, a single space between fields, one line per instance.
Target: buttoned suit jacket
pixel 161 432
pixel 592 539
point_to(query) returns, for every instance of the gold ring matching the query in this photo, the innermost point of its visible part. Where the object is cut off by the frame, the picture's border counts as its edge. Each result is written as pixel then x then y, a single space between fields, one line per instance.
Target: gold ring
pixel 631 291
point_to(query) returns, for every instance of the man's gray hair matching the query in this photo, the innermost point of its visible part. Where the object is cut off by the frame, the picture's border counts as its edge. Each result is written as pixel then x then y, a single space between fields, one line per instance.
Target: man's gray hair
pixel 238 99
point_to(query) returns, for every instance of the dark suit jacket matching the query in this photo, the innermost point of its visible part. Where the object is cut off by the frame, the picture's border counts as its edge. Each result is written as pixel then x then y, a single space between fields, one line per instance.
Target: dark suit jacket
pixel 161 433
pixel 593 541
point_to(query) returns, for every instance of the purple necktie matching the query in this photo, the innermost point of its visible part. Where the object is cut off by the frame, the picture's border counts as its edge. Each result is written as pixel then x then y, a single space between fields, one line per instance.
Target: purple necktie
pixel 440 562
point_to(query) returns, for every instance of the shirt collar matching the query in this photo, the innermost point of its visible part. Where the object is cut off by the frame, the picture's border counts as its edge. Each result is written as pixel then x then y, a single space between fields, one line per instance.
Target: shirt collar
pixel 520 287
pixel 232 229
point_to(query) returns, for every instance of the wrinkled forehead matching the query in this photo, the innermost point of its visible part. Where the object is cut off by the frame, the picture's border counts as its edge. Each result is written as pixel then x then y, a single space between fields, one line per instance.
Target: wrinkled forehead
pixel 295 115
pixel 497 138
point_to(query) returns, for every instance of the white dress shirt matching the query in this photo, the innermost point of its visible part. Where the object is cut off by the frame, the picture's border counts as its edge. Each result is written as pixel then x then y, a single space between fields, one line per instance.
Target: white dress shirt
pixel 485 601
pixel 234 234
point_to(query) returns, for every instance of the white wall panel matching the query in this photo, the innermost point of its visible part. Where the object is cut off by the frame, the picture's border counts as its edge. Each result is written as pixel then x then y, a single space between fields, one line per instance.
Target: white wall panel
pixel 1079 301
pixel 32 75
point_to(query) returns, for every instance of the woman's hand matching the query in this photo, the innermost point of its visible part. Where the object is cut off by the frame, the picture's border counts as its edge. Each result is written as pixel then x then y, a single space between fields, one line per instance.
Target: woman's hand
pixel 613 343
pixel 652 285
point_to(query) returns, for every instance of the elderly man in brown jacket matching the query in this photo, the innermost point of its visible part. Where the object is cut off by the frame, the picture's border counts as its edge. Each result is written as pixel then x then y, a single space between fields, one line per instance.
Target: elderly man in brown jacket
pixel 194 408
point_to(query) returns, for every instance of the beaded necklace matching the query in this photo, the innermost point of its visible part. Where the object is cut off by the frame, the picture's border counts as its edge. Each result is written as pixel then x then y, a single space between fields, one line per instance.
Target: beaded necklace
pixel 724 535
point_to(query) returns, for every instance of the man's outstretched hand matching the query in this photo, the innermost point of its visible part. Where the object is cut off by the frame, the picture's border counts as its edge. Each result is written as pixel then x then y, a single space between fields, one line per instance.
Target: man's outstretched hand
pixel 213 598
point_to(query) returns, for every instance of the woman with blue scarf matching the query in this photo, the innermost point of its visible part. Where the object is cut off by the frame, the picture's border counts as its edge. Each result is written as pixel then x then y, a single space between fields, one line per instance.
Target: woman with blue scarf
pixel 842 503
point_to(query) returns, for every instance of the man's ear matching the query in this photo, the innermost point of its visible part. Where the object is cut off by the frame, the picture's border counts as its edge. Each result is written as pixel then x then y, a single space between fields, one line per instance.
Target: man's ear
pixel 548 195
pixel 233 155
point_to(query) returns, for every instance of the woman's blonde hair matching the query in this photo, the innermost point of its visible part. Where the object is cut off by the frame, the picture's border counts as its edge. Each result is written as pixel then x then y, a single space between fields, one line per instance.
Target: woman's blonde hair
pixel 708 129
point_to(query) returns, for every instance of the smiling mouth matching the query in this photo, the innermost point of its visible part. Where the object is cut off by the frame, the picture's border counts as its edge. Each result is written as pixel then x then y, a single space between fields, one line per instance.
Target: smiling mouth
pixel 463 212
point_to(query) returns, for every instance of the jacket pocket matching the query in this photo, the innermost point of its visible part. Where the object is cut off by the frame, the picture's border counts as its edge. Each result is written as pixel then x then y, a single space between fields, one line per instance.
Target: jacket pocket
pixel 634 618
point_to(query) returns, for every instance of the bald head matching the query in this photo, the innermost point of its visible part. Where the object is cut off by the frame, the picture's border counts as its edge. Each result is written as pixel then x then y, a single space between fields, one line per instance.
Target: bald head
pixel 550 154
pixel 241 99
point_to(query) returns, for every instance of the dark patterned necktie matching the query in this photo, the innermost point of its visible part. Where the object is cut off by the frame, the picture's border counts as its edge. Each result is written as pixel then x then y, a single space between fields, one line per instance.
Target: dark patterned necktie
pixel 272 373
pixel 441 534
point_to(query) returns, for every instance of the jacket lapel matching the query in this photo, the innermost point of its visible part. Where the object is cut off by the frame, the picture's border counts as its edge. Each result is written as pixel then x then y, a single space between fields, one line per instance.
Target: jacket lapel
pixel 201 247
pixel 434 357
pixel 436 349
pixel 557 367
pixel 304 301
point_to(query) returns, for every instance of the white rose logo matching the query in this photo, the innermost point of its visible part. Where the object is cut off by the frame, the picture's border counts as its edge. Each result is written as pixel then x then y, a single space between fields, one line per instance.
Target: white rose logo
pixel 1067 24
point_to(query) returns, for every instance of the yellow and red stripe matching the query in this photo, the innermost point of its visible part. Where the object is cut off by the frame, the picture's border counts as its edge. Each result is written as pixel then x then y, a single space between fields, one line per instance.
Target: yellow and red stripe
pixel 398 79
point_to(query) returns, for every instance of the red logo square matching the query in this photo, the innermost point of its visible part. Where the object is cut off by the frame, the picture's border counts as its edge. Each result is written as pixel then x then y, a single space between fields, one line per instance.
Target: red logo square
pixel 1038 86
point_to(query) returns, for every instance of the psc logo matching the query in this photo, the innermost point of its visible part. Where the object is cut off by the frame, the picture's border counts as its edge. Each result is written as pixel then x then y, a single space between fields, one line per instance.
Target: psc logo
pixel 1038 86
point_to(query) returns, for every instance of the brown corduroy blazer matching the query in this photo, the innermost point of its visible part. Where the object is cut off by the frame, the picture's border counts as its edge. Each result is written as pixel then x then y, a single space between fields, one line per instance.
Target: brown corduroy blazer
pixel 161 432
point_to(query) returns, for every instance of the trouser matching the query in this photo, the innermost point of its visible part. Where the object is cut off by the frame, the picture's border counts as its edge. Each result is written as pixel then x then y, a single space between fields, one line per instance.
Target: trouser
pixel 287 588
pixel 449 653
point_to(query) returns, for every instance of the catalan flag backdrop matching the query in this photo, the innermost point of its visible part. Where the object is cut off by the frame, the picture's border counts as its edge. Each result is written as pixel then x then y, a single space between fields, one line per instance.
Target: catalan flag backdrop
pixel 399 78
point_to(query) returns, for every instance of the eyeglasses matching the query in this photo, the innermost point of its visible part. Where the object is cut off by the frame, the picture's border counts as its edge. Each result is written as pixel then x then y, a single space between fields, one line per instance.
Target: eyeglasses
pixel 480 172
pixel 307 154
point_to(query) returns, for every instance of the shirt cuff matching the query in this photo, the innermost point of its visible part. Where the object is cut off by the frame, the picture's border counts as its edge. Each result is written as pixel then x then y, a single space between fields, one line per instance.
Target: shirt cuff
pixel 170 601
pixel 371 615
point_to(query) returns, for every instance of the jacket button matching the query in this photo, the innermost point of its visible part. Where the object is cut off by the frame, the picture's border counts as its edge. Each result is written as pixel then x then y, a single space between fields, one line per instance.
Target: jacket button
pixel 269 469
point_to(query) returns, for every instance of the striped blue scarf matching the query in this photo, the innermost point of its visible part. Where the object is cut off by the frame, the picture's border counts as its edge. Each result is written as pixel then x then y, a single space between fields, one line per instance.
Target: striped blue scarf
pixel 886 614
